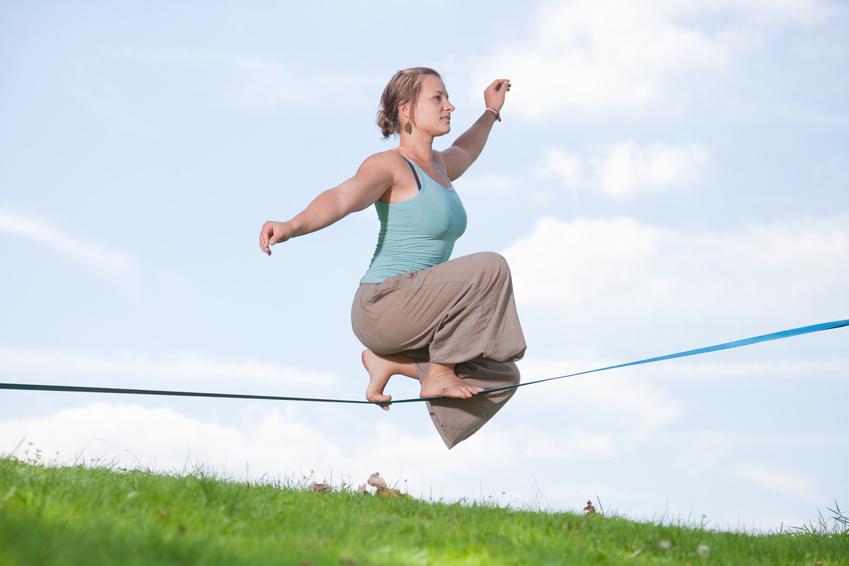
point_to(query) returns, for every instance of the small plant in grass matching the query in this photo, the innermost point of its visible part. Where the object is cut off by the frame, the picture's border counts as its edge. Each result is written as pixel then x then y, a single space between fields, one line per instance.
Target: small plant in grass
pixel 839 526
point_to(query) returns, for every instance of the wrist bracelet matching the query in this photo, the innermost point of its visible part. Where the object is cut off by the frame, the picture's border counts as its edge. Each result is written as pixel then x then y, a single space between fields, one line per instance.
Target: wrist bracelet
pixel 495 112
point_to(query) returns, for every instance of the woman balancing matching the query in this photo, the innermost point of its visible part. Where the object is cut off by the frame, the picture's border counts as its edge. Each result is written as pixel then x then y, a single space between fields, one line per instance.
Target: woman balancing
pixel 451 324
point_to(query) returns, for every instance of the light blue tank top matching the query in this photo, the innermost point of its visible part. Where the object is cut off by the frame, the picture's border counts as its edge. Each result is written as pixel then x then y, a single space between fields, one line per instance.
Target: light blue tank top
pixel 416 233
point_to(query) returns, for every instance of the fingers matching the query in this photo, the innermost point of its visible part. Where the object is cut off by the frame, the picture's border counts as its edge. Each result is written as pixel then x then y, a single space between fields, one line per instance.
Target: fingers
pixel 263 240
pixel 274 233
pixel 266 237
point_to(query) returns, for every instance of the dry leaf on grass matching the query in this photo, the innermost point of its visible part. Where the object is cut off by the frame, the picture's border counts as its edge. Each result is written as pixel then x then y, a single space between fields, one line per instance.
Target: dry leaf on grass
pixel 377 481
pixel 383 490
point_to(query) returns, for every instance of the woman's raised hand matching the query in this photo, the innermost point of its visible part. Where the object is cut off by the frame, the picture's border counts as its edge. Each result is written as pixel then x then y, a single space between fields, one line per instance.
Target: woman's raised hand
pixel 494 94
pixel 272 233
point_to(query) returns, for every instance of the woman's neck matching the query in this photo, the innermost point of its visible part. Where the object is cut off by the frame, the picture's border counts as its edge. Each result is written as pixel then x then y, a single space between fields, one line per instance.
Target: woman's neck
pixel 422 151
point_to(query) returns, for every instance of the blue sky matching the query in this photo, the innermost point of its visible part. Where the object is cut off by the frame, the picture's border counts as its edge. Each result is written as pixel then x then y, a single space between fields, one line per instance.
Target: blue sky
pixel 666 176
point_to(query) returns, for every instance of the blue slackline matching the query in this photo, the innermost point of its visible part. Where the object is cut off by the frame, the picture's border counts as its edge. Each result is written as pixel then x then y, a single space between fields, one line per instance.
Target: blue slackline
pixel 723 346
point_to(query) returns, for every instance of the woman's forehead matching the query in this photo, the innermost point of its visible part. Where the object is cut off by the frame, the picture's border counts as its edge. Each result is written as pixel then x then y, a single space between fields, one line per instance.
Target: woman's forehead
pixel 433 83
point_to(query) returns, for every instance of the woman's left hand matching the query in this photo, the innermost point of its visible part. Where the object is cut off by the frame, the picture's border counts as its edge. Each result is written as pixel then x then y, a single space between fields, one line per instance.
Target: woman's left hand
pixel 493 96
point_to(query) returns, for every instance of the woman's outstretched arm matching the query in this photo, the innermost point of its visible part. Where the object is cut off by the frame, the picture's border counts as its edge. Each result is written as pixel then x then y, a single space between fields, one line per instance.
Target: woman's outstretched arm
pixel 373 178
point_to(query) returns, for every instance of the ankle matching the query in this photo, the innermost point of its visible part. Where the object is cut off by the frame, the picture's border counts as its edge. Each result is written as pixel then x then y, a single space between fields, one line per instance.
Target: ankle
pixel 433 374
pixel 441 368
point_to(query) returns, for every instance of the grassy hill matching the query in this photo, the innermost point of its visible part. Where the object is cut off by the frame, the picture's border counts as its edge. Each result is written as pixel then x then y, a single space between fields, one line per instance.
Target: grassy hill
pixel 98 515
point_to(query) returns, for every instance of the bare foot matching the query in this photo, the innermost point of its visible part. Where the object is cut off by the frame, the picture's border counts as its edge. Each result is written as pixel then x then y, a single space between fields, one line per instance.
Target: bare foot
pixel 382 367
pixel 447 384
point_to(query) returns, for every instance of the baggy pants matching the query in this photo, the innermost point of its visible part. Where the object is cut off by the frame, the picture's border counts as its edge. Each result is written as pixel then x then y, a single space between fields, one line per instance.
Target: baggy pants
pixel 462 312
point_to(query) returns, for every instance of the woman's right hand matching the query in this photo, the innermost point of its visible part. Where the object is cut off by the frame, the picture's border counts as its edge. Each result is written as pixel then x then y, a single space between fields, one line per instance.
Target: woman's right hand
pixel 272 233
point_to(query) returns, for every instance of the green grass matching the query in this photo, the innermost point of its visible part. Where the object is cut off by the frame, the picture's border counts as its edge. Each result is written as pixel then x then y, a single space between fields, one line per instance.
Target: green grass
pixel 99 515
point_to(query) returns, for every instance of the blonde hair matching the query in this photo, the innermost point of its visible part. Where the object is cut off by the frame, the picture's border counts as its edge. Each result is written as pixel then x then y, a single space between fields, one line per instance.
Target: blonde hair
pixel 404 86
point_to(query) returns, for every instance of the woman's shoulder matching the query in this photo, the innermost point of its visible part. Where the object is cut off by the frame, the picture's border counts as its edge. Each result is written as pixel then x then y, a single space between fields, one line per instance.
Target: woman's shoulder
pixel 388 158
pixel 391 165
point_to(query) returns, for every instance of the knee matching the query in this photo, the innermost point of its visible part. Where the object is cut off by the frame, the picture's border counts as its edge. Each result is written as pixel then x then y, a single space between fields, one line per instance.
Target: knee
pixel 494 262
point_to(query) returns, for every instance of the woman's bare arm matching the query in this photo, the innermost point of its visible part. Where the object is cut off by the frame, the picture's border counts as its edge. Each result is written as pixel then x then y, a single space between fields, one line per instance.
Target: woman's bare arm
pixel 466 149
pixel 372 179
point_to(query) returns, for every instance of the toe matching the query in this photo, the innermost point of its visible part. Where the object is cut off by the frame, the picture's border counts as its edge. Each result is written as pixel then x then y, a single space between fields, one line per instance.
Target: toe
pixel 378 397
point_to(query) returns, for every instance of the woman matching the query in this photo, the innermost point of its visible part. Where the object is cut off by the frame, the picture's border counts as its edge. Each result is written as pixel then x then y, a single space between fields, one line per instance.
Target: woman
pixel 451 324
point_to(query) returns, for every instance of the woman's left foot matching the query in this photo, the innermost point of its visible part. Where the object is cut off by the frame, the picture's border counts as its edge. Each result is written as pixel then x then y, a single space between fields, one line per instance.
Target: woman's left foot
pixel 379 371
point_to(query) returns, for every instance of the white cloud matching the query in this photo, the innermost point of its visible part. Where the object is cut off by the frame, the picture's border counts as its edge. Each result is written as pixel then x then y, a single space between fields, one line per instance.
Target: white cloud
pixel 115 265
pixel 578 262
pixel 563 164
pixel 603 54
pixel 804 13
pixel 627 169
pixel 567 445
pixel 631 269
pixel 120 367
pixel 783 481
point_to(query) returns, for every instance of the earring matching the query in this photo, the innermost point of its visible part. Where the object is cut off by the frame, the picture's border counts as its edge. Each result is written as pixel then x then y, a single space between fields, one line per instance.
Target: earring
pixel 408 128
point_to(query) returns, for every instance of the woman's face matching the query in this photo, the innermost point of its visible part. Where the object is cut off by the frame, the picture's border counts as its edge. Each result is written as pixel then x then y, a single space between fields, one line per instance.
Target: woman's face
pixel 433 110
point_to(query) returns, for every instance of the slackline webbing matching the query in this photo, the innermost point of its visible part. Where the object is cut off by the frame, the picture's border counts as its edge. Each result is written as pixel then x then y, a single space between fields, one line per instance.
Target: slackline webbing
pixel 723 346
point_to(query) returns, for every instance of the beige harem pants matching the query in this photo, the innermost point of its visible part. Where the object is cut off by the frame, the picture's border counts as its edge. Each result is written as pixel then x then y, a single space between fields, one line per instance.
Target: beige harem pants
pixel 460 312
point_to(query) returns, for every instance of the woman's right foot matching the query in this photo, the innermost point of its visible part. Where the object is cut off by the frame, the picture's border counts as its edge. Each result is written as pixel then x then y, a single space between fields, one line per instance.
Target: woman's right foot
pixel 447 384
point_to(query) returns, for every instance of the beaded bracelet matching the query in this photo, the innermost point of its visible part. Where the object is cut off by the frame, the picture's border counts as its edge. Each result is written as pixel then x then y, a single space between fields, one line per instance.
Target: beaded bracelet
pixel 495 112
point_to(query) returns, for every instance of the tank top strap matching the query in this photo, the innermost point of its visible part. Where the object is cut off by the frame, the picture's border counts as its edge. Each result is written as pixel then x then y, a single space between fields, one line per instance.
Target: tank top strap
pixel 415 173
pixel 443 171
